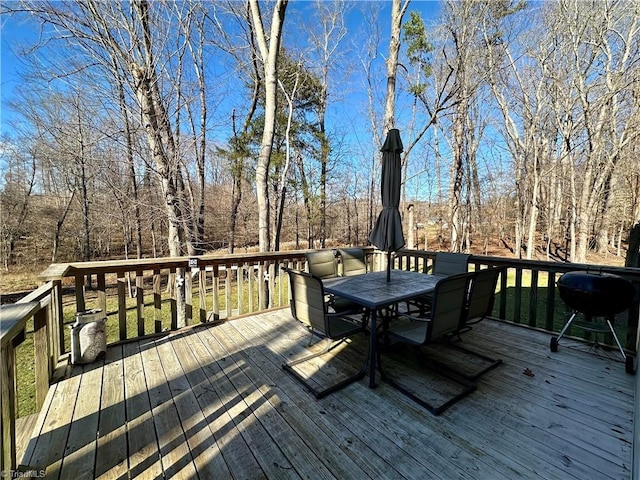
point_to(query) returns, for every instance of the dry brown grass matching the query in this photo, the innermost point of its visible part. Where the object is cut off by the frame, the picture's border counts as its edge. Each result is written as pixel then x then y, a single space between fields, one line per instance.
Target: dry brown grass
pixel 20 279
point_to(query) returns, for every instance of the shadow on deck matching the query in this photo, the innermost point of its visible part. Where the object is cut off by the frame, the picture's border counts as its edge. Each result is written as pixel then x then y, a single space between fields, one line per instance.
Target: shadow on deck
pixel 214 402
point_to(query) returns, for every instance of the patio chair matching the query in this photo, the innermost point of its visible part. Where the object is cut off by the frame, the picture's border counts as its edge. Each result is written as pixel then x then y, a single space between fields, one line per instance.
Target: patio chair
pixel 449 263
pixel 482 294
pixel 353 261
pixel 447 309
pixel 308 307
pixel 322 264
pixel 445 264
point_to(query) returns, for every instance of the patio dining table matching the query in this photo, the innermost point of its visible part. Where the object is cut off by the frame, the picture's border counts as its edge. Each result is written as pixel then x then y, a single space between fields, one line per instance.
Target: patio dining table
pixel 373 291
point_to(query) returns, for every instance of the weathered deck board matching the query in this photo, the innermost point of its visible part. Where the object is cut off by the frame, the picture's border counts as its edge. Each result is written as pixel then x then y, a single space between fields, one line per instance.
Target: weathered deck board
pixel 214 402
pixel 111 455
pixel 24 429
pixel 144 456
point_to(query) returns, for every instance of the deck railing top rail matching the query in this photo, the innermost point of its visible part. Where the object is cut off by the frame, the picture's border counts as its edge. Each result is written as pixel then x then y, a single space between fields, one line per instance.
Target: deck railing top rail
pixel 57 271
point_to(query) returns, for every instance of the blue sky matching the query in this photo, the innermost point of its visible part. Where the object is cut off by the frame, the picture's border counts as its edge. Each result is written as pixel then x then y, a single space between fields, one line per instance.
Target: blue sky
pixel 13 33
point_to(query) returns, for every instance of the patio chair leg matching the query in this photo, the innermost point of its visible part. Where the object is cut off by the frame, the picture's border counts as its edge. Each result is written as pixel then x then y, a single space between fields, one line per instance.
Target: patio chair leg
pixel 495 362
pixel 288 367
pixel 434 409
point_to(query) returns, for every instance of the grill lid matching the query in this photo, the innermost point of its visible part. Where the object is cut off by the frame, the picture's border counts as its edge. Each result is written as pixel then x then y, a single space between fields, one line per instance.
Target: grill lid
pixel 595 294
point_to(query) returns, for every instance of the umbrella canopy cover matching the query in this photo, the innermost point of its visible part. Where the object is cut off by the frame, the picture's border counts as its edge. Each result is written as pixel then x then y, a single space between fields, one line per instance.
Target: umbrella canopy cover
pixel 387 233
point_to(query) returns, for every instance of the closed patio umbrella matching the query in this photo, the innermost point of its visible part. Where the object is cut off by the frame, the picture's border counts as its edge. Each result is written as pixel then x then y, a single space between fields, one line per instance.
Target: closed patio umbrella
pixel 387 233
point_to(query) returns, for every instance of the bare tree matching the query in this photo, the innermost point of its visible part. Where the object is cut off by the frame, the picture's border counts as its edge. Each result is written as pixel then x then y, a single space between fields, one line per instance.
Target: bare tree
pixel 461 24
pixel 130 43
pixel 326 42
pixel 19 181
pixel 398 9
pixel 269 48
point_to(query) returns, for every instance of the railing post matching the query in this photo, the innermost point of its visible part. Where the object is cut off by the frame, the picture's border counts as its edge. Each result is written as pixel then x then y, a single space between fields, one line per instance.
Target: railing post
pixel 8 406
pixel 57 321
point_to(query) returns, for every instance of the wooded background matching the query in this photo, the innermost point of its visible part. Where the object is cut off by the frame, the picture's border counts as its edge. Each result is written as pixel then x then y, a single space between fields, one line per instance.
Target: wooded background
pixel 139 129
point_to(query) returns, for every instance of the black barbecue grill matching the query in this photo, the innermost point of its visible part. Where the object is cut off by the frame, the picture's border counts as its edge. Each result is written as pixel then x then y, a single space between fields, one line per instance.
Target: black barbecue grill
pixel 595 295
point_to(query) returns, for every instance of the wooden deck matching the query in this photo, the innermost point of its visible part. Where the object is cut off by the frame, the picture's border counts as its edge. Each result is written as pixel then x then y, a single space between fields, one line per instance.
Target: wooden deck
pixel 213 403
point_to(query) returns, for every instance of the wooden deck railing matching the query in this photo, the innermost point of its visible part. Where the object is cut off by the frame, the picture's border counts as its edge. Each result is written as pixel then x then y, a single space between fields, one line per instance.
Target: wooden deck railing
pixel 214 288
pixel 528 294
pixel 140 297
pixel 44 306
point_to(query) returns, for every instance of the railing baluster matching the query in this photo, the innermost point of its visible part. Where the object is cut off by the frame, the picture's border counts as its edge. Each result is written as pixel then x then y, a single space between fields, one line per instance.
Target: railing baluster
pixel 122 306
pixel 102 293
pixel 202 291
pixel 271 283
pixel 503 293
pixel 252 271
pixel 260 281
pixel 80 304
pixel 241 285
pixel 171 284
pixel 280 276
pixel 533 299
pixel 215 293
pixel 551 297
pixel 188 295
pixel 517 314
pixel 140 302
pixel 227 290
pixel 157 300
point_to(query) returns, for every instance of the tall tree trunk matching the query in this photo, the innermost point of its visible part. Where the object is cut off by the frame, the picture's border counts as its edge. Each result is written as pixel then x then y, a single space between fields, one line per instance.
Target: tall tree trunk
pixel 130 162
pixel 398 9
pixel 306 199
pixel 163 149
pixel 269 52
pixel 456 178
pixel 533 211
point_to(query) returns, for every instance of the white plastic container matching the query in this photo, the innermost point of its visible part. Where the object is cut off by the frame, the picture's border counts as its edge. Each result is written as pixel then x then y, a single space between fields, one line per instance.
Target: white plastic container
pixel 88 337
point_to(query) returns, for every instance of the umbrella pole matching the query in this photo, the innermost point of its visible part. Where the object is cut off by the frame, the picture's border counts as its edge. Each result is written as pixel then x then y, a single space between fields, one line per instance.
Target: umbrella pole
pixel 388 266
